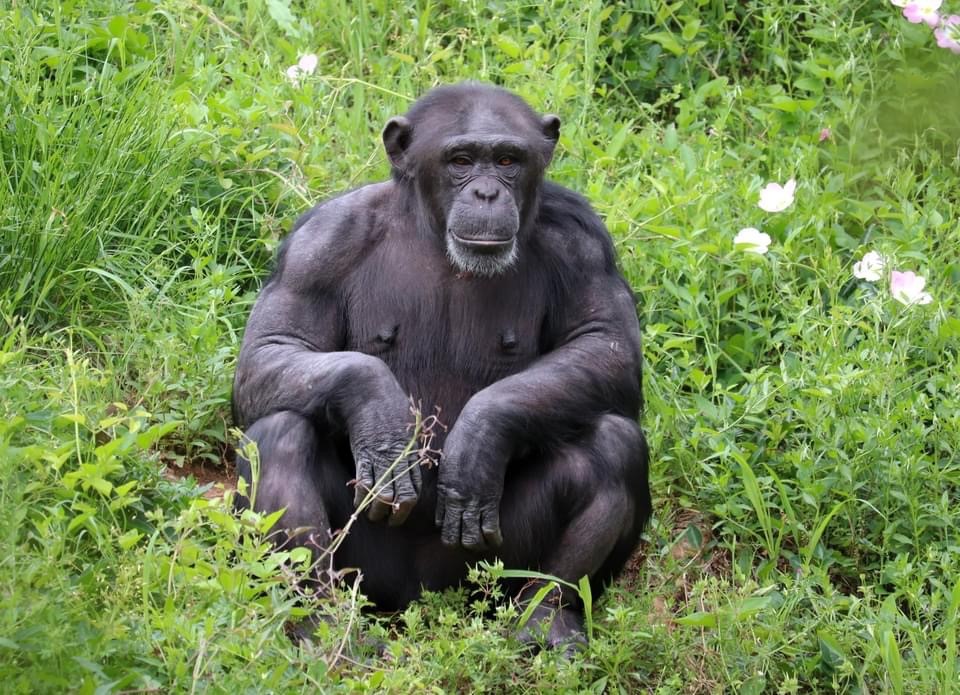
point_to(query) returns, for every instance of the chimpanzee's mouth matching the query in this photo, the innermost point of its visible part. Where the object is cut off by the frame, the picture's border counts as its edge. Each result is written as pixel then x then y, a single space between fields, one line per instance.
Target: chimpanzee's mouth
pixel 485 244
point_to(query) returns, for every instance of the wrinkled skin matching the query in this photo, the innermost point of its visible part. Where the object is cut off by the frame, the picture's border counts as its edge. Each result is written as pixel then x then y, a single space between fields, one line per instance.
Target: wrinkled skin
pixel 485 294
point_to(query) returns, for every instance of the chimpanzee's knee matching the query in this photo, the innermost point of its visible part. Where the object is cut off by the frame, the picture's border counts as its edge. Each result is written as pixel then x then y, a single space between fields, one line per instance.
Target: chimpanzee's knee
pixel 282 471
pixel 620 443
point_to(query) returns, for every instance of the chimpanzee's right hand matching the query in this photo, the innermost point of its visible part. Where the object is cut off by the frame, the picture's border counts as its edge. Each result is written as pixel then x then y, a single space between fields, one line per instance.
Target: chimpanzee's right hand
pixel 380 429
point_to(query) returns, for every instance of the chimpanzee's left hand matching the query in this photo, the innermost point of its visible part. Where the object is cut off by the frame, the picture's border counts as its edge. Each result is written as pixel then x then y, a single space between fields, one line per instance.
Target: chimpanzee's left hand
pixel 470 482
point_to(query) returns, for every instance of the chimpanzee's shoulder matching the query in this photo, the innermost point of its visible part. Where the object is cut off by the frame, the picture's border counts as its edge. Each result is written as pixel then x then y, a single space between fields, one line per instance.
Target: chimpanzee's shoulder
pixel 569 225
pixel 331 238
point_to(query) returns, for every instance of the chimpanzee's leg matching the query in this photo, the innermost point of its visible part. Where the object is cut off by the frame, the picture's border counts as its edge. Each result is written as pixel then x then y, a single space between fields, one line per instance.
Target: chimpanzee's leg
pixel 291 476
pixel 309 475
pixel 577 512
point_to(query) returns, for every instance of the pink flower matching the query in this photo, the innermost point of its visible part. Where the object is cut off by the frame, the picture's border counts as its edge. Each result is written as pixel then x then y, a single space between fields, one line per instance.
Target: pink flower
pixel 923 11
pixel 776 198
pixel 948 33
pixel 907 288
pixel 825 134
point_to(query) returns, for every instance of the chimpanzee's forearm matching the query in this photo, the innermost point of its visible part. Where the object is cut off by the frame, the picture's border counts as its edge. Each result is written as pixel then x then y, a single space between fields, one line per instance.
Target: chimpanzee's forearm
pixel 325 386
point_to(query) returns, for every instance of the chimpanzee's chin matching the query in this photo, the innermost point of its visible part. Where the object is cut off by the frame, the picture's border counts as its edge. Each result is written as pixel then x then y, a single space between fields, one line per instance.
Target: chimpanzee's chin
pixel 486 260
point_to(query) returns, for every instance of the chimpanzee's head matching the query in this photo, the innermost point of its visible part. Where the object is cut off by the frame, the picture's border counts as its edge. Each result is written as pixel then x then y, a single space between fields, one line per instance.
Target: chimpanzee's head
pixel 474 155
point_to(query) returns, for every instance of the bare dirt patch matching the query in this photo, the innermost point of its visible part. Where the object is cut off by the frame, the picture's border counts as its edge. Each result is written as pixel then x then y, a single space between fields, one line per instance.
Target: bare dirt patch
pixel 219 478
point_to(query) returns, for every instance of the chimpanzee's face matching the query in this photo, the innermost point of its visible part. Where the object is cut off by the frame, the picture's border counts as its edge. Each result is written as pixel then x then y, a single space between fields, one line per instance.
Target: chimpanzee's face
pixel 476 170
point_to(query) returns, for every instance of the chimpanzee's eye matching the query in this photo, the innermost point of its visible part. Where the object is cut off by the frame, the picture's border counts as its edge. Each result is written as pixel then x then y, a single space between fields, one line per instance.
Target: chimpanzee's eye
pixel 461 161
pixel 505 161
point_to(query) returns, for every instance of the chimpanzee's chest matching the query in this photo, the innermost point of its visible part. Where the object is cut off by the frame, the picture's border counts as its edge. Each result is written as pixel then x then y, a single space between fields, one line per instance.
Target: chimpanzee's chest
pixel 445 336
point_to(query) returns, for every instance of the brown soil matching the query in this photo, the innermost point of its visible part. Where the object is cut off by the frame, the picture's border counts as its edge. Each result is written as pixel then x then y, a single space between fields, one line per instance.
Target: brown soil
pixel 220 477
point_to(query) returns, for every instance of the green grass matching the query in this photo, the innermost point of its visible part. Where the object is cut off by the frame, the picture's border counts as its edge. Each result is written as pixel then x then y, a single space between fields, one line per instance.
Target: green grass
pixel 804 425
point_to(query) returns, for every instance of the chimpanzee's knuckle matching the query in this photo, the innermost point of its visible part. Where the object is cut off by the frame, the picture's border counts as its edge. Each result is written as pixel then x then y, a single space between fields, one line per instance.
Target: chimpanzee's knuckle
pixel 406 495
pixel 473 542
pixel 378 510
pixel 450 535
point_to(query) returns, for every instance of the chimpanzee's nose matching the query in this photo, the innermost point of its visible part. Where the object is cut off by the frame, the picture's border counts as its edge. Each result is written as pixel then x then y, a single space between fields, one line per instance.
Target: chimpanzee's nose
pixel 486 190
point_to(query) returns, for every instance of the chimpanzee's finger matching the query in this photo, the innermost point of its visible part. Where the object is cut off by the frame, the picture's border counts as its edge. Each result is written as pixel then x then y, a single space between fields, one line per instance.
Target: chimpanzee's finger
pixel 401 511
pixel 416 478
pixel 450 534
pixel 363 484
pixel 381 507
pixel 471 537
pixel 491 529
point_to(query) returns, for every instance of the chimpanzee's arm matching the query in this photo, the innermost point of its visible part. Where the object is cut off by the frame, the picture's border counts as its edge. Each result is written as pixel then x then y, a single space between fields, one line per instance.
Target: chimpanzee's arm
pixel 292 359
pixel 593 368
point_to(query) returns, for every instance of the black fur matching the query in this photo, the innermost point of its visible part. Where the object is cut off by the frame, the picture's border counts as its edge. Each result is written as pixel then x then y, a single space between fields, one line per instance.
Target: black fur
pixel 532 362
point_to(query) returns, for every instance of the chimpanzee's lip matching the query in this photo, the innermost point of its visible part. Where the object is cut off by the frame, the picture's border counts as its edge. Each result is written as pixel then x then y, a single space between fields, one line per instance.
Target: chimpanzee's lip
pixel 485 244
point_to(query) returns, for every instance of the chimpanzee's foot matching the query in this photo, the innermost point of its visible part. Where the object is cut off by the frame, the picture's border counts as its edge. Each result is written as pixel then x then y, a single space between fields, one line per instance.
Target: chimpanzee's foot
pixel 553 625
pixel 301 631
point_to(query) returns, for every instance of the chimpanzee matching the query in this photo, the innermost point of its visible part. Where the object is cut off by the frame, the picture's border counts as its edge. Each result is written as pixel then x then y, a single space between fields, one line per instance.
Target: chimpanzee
pixel 472 287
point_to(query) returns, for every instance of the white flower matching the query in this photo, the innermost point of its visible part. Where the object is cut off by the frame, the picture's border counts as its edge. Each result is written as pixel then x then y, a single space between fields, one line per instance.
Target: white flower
pixel 293 74
pixel 308 63
pixel 752 240
pixel 870 267
pixel 305 66
pixel 907 288
pixel 775 198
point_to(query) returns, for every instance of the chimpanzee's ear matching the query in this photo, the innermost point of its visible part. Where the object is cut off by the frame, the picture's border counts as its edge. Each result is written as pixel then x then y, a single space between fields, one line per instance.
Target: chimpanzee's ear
pixel 396 139
pixel 550 125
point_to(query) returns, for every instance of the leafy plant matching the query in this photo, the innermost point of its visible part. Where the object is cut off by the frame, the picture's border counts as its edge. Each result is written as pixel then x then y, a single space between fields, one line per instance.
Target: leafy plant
pixel 802 412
